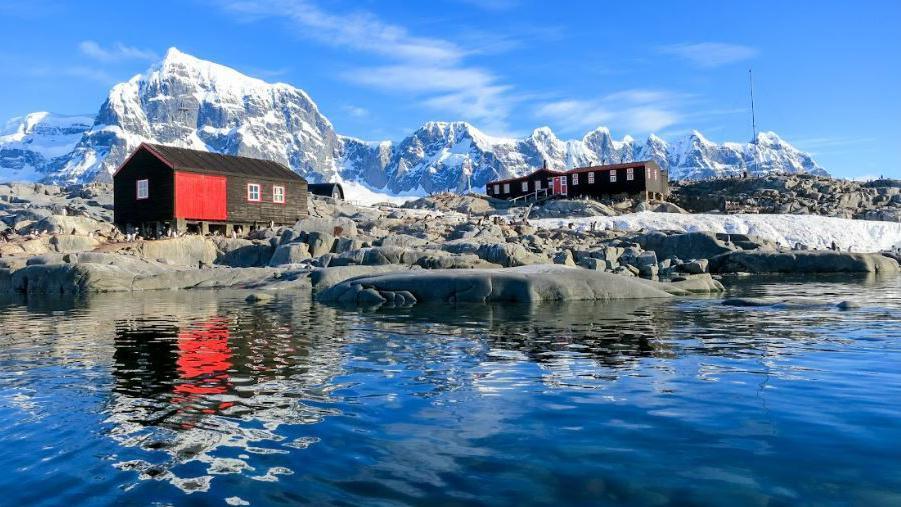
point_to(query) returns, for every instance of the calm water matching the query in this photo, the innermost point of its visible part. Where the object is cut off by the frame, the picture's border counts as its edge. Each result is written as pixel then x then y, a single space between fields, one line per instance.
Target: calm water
pixel 198 398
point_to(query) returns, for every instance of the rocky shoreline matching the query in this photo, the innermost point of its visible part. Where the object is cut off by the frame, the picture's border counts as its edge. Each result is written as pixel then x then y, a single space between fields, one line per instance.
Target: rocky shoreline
pixel 444 248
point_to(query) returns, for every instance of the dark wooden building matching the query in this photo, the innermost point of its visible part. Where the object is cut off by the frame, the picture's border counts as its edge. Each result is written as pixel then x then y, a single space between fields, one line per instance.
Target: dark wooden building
pixel 333 190
pixel 643 179
pixel 161 187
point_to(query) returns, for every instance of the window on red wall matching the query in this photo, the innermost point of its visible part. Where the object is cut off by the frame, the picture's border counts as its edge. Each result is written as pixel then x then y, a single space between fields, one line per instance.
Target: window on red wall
pixel 253 192
pixel 278 194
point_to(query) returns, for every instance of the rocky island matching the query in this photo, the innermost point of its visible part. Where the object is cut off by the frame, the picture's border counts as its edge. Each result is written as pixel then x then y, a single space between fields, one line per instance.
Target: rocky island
pixel 442 248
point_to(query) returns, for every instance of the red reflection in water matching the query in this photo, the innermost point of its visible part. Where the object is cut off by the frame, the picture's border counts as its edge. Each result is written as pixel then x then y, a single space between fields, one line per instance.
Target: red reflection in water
pixel 204 358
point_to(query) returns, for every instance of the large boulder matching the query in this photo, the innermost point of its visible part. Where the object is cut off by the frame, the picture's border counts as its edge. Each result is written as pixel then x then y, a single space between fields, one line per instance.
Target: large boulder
pixel 291 253
pixel 515 285
pixel 802 262
pixel 59 224
pixel 242 253
pixel 319 242
pixel 102 273
pixel 184 251
pixel 323 278
pixel 508 255
pixel 689 245
pixel 699 284
pixel 339 226
pixel 66 243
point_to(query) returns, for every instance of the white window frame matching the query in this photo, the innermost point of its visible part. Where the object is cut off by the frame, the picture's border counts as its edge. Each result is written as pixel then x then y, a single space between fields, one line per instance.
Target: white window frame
pixel 630 174
pixel 497 189
pixel 591 178
pixel 506 188
pixel 525 186
pixel 259 192
pixel 142 189
pixel 612 176
pixel 278 194
pixel 575 179
pixel 537 185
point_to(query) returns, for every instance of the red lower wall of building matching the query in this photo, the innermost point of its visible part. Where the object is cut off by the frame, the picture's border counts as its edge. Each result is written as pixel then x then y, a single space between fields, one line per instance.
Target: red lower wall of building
pixel 200 196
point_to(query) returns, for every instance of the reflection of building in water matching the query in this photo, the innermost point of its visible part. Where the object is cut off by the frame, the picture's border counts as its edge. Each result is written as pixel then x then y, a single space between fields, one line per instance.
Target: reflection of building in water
pixel 187 387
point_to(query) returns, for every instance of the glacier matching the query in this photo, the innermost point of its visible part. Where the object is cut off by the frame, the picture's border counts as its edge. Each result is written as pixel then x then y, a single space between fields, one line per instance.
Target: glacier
pixel 186 101
pixel 815 231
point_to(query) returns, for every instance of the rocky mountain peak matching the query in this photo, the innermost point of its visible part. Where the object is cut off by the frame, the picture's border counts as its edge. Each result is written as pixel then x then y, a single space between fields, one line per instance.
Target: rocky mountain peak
pixel 187 101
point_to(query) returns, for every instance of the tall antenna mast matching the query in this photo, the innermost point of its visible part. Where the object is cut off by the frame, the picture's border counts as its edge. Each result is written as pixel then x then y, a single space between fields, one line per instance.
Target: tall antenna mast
pixel 753 116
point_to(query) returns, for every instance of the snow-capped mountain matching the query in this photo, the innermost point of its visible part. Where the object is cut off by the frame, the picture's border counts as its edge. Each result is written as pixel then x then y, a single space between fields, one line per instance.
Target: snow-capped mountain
pixel 193 103
pixel 188 102
pixel 31 145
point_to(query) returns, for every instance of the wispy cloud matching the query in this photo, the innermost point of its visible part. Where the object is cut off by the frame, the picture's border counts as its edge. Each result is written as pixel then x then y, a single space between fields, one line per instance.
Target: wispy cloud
pixel 637 111
pixel 356 111
pixel 72 71
pixel 116 53
pixel 710 54
pixel 433 70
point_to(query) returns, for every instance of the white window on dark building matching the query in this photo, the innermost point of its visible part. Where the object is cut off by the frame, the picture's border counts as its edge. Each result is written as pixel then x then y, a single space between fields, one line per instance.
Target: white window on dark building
pixel 525 186
pixel 612 176
pixel 278 194
pixel 506 188
pixel 537 184
pixel 591 178
pixel 630 174
pixel 575 179
pixel 143 189
pixel 253 192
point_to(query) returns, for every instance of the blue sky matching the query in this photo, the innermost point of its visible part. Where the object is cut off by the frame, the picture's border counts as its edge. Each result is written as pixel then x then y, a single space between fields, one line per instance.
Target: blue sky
pixel 826 73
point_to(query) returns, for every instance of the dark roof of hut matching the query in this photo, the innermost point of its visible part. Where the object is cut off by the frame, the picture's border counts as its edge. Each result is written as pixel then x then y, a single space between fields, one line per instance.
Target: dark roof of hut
pixel 184 159
pixel 608 167
pixel 326 189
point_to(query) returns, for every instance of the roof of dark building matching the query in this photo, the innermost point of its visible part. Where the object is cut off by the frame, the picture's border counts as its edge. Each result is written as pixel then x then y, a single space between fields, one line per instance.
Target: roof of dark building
pixel 609 167
pixel 526 176
pixel 327 189
pixel 184 159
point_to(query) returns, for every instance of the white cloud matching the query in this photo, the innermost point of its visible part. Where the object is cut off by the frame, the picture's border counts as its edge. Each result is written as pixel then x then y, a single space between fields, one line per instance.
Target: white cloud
pixel 72 71
pixel 433 70
pixel 361 31
pixel 356 111
pixel 636 111
pixel 118 52
pixel 710 54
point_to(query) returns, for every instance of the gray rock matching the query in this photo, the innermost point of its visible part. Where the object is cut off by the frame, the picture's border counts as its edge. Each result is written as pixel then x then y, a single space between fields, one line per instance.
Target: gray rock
pixel 517 285
pixel 259 297
pixel 242 253
pixel 689 245
pixel 749 302
pixel 564 257
pixel 848 305
pixel 58 224
pixel 344 244
pixel 508 254
pixel 700 284
pixel 291 253
pixel 67 243
pixel 320 243
pixel 339 226
pixel 695 267
pixel 323 278
pixel 184 251
pixel 402 240
pixel 803 262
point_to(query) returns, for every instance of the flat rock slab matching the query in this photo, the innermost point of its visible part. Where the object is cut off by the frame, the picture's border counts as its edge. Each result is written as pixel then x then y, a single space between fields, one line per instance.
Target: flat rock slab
pixel 523 284
pixel 803 262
